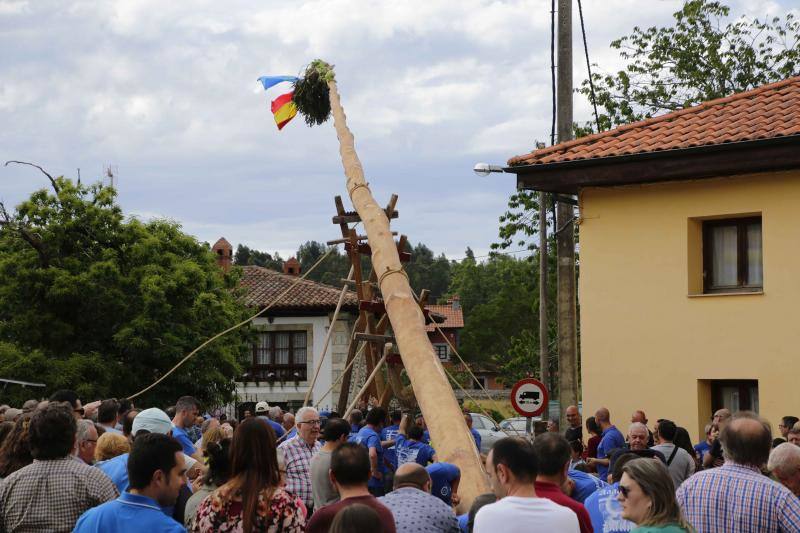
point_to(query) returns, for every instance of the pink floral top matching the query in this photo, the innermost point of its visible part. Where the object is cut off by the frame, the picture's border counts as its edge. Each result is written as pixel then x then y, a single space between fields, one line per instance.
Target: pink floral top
pixel 283 512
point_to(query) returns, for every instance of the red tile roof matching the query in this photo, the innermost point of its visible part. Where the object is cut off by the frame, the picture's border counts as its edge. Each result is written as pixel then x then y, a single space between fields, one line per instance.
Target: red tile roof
pixel 263 285
pixel 454 318
pixel 767 112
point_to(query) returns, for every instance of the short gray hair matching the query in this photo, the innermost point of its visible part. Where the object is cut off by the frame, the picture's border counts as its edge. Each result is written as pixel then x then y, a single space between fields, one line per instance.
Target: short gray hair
pixel 302 412
pixel 637 425
pixel 82 434
pixel 275 412
pixel 784 457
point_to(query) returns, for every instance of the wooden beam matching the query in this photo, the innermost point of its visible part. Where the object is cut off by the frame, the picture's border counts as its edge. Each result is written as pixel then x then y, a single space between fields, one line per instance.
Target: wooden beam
pixel 372 337
pixel 354 217
pixel 347 239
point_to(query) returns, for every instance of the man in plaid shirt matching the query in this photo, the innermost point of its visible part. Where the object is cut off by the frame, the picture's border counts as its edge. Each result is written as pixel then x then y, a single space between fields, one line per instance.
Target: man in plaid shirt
pixel 297 454
pixel 53 492
pixel 737 496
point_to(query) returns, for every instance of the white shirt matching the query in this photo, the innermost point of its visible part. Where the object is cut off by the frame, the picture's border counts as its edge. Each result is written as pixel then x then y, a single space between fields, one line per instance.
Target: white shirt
pixel 514 514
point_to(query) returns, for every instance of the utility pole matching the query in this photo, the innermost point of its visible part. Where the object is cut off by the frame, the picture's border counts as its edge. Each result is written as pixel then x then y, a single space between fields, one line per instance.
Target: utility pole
pixel 544 356
pixel 565 229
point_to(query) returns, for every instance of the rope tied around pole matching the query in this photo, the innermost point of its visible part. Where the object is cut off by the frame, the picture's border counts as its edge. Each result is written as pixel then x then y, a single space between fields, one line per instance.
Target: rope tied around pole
pixel 356 186
pixel 389 272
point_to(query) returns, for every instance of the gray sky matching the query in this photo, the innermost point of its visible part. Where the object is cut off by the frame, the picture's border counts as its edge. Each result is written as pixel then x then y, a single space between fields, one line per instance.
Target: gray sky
pixel 166 93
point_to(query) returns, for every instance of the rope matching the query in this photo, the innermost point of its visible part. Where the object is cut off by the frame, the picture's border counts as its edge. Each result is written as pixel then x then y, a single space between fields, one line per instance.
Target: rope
pixel 367 383
pixel 236 326
pixel 589 67
pixel 389 272
pixel 467 394
pixel 341 376
pixel 328 338
pixel 474 377
pixel 356 186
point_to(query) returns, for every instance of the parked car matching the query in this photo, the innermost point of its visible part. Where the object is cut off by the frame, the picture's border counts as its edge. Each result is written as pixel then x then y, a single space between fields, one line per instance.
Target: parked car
pixel 516 426
pixel 489 430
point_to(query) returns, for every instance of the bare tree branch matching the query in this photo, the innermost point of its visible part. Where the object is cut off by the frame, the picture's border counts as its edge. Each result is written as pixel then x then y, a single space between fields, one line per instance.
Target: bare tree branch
pixel 31 238
pixel 51 178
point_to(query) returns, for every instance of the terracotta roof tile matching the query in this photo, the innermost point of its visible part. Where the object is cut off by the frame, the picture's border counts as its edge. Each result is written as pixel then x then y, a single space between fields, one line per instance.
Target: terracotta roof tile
pixel 766 112
pixel 263 285
pixel 454 318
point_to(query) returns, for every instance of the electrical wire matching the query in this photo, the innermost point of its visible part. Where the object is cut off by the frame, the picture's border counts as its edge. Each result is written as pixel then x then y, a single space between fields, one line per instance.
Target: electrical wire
pixel 589 67
pixel 553 68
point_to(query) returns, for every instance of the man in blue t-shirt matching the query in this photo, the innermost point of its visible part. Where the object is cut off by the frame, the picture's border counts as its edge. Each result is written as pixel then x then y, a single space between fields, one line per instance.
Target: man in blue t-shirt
pixel 702 448
pixel 368 436
pixel 604 509
pixel 475 434
pixel 584 485
pixel 444 481
pixel 610 439
pixel 410 449
pixel 262 413
pixel 389 433
pixel 186 409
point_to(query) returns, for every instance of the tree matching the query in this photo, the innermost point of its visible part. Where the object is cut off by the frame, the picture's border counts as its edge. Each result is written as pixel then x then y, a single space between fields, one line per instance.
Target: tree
pixel 426 271
pixel 244 256
pixel 700 57
pixel 104 305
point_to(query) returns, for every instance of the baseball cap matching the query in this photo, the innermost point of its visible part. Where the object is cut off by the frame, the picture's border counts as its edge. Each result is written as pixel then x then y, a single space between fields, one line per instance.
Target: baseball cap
pixel 262 407
pixel 153 420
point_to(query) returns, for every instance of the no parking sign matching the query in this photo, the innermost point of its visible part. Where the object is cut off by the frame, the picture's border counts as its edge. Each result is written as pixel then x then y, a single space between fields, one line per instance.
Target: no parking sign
pixel 529 397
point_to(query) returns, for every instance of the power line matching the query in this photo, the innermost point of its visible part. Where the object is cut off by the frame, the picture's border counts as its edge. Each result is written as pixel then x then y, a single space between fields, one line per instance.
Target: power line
pixel 553 68
pixel 588 67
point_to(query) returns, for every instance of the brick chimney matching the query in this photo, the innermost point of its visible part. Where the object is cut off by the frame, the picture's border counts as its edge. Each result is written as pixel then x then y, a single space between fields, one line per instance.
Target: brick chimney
pixel 224 252
pixel 291 267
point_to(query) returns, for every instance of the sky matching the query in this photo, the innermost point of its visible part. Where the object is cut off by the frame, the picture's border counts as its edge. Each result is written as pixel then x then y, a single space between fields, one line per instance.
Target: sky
pixel 165 94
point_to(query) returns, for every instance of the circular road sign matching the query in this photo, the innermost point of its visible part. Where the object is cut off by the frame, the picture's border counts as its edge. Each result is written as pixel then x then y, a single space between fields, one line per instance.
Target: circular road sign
pixel 529 397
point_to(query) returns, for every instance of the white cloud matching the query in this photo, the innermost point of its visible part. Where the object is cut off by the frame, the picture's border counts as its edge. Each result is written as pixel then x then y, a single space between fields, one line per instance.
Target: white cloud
pixel 166 91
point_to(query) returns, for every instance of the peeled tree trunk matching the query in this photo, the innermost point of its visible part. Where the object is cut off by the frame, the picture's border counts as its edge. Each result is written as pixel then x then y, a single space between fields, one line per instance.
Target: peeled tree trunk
pixel 454 443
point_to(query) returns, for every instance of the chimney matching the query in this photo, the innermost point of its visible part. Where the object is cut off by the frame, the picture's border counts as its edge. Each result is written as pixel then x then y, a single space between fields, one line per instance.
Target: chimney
pixel 456 302
pixel 224 252
pixel 291 267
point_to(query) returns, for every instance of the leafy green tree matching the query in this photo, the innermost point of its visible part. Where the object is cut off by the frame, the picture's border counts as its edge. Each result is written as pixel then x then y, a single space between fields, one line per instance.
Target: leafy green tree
pixel 702 56
pixel 244 256
pixel 427 271
pixel 104 305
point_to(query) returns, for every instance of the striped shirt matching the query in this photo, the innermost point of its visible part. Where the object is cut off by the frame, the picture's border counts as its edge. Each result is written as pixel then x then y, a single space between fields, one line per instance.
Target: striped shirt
pixel 735 497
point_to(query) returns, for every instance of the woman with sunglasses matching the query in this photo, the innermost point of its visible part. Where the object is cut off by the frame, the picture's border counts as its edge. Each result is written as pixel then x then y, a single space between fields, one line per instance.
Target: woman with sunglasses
pixel 647 496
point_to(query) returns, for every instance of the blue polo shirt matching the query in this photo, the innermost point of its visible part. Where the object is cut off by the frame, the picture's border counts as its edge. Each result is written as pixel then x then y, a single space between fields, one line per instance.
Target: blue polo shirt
pixel 116 469
pixel 369 438
pixel 701 449
pixel 128 513
pixel 442 477
pixel 610 440
pixel 181 436
pixel 277 428
pixel 606 512
pixel 390 433
pixel 585 484
pixel 409 451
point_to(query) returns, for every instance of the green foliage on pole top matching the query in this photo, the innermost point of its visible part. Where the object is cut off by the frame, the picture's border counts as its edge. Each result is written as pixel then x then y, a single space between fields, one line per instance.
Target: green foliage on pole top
pixel 311 93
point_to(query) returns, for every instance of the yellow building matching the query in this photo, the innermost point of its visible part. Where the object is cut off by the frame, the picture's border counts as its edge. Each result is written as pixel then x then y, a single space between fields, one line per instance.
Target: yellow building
pixel 689 284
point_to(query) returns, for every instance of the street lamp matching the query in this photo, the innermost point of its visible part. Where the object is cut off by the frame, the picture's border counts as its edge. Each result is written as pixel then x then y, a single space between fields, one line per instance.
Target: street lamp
pixel 484 169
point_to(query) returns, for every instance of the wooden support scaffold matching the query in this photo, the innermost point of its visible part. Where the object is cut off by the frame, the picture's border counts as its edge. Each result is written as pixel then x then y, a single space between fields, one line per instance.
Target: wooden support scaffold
pixel 372 327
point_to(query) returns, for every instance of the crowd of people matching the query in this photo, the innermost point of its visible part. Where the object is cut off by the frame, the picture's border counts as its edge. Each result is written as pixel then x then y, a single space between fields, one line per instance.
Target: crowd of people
pixel 108 466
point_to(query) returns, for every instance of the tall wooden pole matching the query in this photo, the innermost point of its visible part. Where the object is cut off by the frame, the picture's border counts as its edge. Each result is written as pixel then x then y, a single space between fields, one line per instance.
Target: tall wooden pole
pixel 454 443
pixel 544 355
pixel 565 229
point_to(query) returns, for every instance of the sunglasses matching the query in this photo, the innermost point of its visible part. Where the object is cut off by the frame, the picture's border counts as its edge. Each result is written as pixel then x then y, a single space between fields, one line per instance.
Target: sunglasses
pixel 624 491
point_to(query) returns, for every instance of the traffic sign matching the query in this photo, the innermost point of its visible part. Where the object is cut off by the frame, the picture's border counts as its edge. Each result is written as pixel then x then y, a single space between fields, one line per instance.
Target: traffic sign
pixel 529 397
